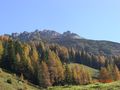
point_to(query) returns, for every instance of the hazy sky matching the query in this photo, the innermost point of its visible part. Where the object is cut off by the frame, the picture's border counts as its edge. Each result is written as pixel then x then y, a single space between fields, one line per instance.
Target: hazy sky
pixel 93 19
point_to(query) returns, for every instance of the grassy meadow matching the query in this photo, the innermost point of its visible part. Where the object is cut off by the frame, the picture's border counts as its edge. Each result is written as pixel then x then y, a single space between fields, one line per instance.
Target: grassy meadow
pixel 12 82
pixel 97 86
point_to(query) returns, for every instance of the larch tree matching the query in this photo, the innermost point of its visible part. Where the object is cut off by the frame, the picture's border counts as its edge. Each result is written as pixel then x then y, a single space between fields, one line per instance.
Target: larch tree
pixel 116 73
pixel 110 69
pixel 43 75
pixel 71 55
pixel 63 54
pixel 1 52
pixel 55 68
pixel 68 75
pixel 26 56
pixel 104 75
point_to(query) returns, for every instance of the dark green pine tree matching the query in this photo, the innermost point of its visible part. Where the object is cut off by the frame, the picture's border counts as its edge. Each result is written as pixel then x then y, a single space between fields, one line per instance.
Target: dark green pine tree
pixel 9 57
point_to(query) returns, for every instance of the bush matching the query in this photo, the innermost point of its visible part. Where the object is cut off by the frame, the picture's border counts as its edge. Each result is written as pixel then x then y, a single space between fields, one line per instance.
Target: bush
pixel 9 81
pixel 19 89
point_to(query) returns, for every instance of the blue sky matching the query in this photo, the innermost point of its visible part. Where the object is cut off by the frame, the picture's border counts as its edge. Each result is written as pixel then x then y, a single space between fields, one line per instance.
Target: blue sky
pixel 93 19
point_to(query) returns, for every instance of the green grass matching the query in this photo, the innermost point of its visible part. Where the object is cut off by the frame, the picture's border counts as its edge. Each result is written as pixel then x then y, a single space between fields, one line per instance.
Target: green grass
pixel 11 82
pixel 97 86
pixel 92 71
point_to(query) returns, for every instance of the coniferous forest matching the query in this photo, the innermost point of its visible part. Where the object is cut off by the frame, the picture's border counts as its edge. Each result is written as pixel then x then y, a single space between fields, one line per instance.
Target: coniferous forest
pixel 46 64
pixel 59 45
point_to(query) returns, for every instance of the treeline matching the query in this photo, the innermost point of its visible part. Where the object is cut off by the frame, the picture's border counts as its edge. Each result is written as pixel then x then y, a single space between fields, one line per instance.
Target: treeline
pixel 48 64
pixel 109 74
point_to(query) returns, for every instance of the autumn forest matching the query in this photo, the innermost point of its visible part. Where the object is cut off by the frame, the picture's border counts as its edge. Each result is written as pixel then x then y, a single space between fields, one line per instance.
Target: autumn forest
pixel 47 65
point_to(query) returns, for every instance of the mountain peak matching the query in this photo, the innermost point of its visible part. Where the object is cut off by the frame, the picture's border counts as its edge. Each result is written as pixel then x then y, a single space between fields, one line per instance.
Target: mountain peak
pixel 67 32
pixel 71 35
pixel 44 35
pixel 69 39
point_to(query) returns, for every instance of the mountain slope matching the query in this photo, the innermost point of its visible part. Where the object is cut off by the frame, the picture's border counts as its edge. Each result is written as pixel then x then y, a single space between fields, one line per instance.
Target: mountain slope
pixel 93 72
pixel 11 82
pixel 69 39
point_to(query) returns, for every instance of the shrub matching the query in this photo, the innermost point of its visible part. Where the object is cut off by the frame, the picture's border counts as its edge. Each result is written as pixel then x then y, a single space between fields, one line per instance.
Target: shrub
pixel 9 81
pixel 19 89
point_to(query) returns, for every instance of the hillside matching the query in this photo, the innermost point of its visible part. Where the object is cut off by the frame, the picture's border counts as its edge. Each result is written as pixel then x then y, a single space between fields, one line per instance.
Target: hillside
pixel 94 72
pixel 17 84
pixel 9 81
pixel 12 82
pixel 69 39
